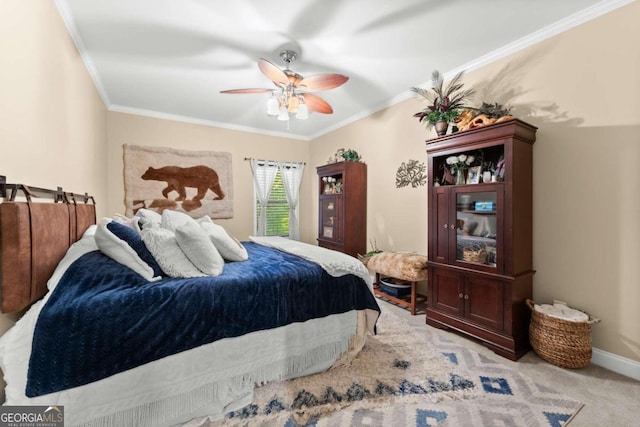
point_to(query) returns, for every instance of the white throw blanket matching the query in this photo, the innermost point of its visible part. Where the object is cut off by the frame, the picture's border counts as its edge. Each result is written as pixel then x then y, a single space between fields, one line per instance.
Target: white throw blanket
pixel 560 310
pixel 333 262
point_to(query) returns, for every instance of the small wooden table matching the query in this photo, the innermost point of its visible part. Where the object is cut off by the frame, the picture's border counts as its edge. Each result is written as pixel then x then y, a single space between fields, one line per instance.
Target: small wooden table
pixel 405 266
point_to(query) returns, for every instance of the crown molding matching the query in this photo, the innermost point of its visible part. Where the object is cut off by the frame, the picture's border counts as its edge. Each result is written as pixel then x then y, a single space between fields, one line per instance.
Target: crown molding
pixel 544 33
pixel 211 123
pixel 556 28
pixel 63 10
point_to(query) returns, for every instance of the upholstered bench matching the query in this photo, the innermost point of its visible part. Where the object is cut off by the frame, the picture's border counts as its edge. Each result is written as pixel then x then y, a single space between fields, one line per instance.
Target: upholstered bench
pixel 406 266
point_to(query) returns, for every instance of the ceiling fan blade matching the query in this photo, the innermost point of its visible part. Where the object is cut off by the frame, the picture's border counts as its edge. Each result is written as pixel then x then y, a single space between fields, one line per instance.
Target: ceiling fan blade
pixel 317 104
pixel 273 73
pixel 253 90
pixel 321 82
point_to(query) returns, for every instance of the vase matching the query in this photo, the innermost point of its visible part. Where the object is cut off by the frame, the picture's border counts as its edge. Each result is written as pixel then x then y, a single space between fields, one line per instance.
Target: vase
pixel 441 127
pixel 460 178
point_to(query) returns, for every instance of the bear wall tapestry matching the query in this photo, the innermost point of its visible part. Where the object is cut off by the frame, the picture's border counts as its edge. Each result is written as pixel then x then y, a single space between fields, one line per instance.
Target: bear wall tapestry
pixel 195 182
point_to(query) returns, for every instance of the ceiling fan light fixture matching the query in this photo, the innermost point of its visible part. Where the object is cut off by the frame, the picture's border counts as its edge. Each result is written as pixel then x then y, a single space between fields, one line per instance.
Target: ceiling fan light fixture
pixel 292 106
pixel 283 116
pixel 303 112
pixel 293 92
pixel 273 106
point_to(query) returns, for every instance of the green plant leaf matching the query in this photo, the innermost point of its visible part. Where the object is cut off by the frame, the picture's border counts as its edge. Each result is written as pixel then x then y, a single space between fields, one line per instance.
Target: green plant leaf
pixel 443 102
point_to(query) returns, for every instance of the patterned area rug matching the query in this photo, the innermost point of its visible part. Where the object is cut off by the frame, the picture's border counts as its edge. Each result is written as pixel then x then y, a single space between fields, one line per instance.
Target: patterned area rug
pixel 406 377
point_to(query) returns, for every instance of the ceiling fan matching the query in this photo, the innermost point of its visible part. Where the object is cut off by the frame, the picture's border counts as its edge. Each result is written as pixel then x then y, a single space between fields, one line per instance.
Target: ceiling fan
pixel 292 92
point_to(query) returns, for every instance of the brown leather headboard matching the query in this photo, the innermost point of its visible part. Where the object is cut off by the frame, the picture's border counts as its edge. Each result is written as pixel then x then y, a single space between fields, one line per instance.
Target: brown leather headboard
pixel 34 237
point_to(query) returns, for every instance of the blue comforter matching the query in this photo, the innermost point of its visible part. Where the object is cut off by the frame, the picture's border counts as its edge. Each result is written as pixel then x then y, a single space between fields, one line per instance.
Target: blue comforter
pixel 102 318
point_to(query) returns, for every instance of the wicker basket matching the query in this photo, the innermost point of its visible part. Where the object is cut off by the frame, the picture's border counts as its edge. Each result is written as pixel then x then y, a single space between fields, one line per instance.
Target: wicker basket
pixel 560 342
pixel 479 256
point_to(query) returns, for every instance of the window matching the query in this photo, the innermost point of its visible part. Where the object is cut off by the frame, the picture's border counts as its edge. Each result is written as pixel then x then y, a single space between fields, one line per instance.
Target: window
pixel 277 209
pixel 276 189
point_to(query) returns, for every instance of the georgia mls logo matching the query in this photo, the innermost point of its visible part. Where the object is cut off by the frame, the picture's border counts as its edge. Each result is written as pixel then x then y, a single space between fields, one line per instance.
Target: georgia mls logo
pixel 32 416
pixel 56 411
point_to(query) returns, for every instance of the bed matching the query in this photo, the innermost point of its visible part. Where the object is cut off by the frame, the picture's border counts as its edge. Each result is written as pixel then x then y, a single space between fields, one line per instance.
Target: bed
pixel 115 349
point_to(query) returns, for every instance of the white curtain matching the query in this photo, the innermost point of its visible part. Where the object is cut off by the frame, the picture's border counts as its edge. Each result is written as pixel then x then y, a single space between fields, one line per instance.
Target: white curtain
pixel 291 179
pixel 264 174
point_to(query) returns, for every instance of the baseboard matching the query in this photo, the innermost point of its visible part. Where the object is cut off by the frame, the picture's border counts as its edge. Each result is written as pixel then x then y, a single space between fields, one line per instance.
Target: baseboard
pixel 615 363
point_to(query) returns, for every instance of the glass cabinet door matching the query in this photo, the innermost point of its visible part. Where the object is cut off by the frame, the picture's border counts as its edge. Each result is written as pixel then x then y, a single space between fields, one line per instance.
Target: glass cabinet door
pixel 330 222
pixel 478 227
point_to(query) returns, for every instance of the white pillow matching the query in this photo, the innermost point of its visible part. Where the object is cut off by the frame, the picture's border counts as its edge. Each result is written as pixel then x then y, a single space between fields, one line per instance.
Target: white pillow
pixel 199 248
pixel 171 220
pixel 147 218
pixel 164 247
pixel 90 231
pixel 131 222
pixel 229 247
pixel 123 251
pixel 204 219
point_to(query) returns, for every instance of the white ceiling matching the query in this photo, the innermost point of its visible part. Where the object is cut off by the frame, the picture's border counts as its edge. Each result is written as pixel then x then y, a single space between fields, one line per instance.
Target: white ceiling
pixel 171 58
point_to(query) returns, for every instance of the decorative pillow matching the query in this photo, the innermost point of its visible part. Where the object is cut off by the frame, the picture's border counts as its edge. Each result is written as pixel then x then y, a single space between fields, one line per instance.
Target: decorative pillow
pixel 229 247
pixel 204 219
pixel 147 218
pixel 164 247
pixel 125 245
pixel 199 248
pixel 90 231
pixel 171 220
pixel 132 222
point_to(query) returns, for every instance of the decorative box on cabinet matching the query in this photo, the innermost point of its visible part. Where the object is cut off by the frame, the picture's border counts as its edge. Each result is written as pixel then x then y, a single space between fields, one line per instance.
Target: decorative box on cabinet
pixel 342 216
pixel 480 239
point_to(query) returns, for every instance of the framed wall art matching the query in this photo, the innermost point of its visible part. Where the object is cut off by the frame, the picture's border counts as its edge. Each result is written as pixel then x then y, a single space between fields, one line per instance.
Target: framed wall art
pixel 195 182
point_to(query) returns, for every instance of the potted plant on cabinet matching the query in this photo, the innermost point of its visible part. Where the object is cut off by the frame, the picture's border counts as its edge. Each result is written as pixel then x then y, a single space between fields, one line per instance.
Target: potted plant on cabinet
pixel 444 102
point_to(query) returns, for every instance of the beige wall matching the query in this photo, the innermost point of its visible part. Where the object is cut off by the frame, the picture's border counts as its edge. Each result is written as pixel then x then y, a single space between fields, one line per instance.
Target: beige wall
pixel 53 122
pixel 396 218
pixel 147 131
pixel 53 127
pixel 582 89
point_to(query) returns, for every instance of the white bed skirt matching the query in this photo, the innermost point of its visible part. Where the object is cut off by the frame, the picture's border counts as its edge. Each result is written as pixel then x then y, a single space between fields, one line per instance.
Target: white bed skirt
pixel 209 380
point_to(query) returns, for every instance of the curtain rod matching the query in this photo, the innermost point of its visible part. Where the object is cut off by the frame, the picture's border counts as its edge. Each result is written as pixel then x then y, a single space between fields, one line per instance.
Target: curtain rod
pixel 272 161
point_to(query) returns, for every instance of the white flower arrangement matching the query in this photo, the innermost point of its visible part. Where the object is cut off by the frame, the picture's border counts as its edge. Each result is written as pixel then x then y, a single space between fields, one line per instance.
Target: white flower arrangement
pixel 329 185
pixel 460 162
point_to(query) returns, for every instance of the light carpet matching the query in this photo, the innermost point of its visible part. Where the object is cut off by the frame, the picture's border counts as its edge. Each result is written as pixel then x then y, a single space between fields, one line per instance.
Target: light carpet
pixel 406 377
